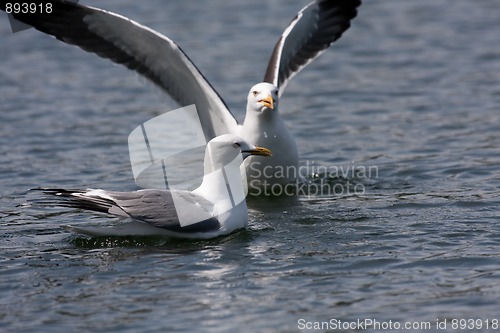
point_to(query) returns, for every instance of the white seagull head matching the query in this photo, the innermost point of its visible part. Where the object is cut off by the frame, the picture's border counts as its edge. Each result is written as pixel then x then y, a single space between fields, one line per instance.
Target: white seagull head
pixel 223 149
pixel 263 97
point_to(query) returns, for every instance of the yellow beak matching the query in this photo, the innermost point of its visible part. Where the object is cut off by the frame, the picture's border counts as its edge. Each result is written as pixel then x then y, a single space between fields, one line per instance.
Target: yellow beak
pixel 268 102
pixel 260 151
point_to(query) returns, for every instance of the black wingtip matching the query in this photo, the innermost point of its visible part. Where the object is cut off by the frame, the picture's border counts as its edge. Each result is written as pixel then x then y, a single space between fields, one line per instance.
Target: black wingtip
pixel 70 199
pixel 294 51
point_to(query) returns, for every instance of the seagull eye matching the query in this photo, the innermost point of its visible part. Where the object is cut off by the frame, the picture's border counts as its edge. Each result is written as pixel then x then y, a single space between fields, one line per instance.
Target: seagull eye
pixel 255 92
pixel 236 145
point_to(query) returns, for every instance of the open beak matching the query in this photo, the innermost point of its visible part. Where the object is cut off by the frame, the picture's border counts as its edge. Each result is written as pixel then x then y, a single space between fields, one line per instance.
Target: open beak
pixel 259 151
pixel 268 102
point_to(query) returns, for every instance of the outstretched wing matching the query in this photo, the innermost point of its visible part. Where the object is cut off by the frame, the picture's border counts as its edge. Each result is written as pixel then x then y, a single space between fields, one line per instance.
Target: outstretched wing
pixel 310 33
pixel 138 48
pixel 174 211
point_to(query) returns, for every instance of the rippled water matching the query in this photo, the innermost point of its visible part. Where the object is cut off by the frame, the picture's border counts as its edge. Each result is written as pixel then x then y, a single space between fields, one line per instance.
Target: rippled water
pixel 411 91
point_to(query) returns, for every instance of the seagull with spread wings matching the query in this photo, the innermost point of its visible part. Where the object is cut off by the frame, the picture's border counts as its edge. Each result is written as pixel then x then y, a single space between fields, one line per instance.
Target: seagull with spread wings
pixel 162 61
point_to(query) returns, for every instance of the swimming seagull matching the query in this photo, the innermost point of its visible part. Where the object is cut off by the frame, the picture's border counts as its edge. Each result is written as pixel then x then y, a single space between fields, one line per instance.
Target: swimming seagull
pixel 162 61
pixel 217 207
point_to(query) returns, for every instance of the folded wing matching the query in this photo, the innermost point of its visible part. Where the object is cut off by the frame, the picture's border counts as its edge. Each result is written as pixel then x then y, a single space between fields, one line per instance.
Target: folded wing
pixel 159 208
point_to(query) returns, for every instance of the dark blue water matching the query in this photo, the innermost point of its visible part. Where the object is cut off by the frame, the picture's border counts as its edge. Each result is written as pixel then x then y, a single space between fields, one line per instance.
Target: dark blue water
pixel 411 93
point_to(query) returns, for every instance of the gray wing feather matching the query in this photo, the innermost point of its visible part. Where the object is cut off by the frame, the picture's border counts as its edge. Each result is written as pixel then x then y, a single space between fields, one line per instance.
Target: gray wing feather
pixel 164 208
pixel 138 48
pixel 158 208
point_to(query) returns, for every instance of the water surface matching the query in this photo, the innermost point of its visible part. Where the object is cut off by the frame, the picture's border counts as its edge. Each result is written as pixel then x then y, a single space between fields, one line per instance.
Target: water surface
pixel 411 90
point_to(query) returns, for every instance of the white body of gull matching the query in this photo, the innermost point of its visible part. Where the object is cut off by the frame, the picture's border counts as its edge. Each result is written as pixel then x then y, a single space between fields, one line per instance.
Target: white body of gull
pixel 160 60
pixel 217 207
